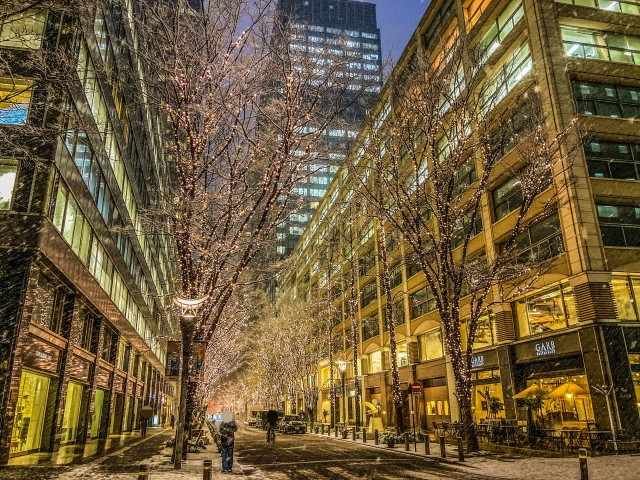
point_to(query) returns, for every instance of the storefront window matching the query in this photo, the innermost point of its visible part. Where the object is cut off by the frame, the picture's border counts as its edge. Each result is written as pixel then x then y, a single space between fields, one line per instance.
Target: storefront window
pixel 30 413
pixel 97 413
pixel 430 345
pixel 487 399
pixel 484 334
pixel 570 405
pixel 553 309
pixel 623 295
pixel 375 362
pixel 403 357
pixel 71 413
pixel 438 407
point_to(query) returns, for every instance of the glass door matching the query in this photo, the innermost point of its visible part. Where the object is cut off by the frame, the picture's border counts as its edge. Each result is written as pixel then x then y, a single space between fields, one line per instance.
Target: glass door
pixel 30 413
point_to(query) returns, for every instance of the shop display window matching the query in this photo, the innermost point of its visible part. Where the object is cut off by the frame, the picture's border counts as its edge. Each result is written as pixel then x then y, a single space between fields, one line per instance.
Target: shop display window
pixel 30 413
pixel 571 409
pixel 97 413
pixel 15 98
pixel 623 294
pixel 553 309
pixel 71 413
pixel 430 345
pixel 438 407
pixel 484 333
pixel 487 399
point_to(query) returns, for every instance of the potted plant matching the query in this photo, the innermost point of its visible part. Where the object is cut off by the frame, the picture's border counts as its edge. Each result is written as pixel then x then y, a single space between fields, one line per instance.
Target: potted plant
pixel 495 406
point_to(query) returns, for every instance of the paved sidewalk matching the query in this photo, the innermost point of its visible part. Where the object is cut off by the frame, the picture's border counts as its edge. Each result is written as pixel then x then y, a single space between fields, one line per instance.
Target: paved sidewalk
pixel 518 466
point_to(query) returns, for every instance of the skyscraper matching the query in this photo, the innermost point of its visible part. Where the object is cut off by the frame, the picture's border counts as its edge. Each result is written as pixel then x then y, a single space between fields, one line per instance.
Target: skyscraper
pixel 352 26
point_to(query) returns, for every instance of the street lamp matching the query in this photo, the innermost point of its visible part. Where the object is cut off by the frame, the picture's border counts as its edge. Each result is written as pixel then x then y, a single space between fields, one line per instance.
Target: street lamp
pixel 188 312
pixel 342 366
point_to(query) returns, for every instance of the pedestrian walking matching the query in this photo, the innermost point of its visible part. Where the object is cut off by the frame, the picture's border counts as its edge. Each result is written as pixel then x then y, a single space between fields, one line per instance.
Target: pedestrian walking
pixel 143 427
pixel 172 420
pixel 227 431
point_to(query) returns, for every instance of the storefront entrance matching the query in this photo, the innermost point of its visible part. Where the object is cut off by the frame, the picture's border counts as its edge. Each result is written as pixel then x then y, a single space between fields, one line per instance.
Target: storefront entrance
pixel 71 413
pixel 30 413
pixel 96 419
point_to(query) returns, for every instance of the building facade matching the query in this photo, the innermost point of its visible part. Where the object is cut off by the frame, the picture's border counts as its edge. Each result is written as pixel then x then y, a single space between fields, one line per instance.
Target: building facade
pixel 82 344
pixel 316 23
pixel 582 322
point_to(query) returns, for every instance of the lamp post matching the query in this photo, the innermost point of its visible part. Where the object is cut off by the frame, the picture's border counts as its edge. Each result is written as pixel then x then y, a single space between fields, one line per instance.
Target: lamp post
pixel 343 368
pixel 188 313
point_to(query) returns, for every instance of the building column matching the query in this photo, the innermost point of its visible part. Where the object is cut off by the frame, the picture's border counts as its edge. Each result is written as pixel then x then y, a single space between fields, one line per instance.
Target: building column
pixel 96 345
pixel 16 278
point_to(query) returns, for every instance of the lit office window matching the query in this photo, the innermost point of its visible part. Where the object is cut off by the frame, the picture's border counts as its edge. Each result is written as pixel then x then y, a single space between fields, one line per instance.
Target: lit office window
pixel 621 6
pixel 592 44
pixel 15 97
pixel 23 30
pixel 8 171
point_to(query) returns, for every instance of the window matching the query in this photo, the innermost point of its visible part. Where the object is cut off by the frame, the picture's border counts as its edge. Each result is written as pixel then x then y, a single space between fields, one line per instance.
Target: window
pixel 438 21
pixel 375 362
pixel 8 172
pixel 369 294
pixel 396 276
pixel 366 262
pixel 540 241
pixel 23 30
pixel 70 222
pixel 484 333
pixel 508 76
pixel 430 345
pixel 626 294
pixel 391 242
pixel 402 355
pixel 552 309
pixel 592 44
pixel 619 225
pixel 464 228
pixel 15 97
pixel 413 269
pixel 622 6
pixel 501 27
pixel 370 328
pixel 613 160
pixel 473 10
pixel 607 100
pixel 515 128
pixel 367 233
pixel 422 302
pixel 466 176
pixel 506 198
pixel 398 312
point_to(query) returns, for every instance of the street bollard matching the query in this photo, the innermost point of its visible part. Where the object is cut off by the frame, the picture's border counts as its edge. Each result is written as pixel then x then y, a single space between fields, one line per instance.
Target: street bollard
pixel 206 470
pixel 364 435
pixel 427 447
pixel 460 450
pixel 406 442
pixel 443 452
pixel 584 471
pixel 375 437
pixel 322 429
pixel 353 433
pixel 143 472
pixel 336 430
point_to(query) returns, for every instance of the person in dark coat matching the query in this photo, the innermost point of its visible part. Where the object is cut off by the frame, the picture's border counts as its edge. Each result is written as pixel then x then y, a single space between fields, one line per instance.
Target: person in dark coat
pixel 172 420
pixel 227 430
pixel 143 427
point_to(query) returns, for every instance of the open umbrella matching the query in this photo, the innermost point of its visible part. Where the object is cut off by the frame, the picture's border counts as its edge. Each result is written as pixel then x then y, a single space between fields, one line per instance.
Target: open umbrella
pixel 533 391
pixel 568 389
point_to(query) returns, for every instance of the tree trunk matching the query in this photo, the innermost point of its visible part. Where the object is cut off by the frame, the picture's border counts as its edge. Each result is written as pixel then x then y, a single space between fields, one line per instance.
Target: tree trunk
pixel 469 429
pixel 187 329
pixel 188 416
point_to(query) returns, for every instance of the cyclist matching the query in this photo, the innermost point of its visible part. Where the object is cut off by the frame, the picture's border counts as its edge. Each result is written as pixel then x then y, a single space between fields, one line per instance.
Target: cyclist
pixel 272 421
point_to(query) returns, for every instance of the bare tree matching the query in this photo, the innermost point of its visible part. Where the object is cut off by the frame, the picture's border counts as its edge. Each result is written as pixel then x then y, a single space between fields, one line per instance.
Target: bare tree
pixel 246 113
pixel 436 151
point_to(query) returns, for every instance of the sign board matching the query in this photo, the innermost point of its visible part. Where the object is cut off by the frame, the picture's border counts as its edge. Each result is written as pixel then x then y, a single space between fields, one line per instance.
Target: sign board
pixel 174 351
pixel 416 388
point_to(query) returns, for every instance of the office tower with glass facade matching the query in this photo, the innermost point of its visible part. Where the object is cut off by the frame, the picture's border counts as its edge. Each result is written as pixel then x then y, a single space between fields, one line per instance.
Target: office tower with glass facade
pixel 81 280
pixel 350 26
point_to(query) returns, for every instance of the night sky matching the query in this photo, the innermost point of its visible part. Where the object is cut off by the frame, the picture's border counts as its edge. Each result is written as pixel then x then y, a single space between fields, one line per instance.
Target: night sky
pixel 398 20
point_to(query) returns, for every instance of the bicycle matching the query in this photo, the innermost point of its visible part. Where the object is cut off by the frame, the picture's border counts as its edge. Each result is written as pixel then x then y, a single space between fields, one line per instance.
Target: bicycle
pixel 271 434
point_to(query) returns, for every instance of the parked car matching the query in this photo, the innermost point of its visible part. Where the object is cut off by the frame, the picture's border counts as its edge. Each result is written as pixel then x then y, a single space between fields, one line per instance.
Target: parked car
pixel 255 414
pixel 292 424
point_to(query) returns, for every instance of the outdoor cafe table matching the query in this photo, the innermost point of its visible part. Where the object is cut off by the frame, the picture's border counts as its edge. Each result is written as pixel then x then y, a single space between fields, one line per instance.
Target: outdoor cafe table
pixel 510 431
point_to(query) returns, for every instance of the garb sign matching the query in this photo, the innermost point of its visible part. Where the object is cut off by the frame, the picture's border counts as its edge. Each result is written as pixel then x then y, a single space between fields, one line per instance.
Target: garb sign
pixel 545 348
